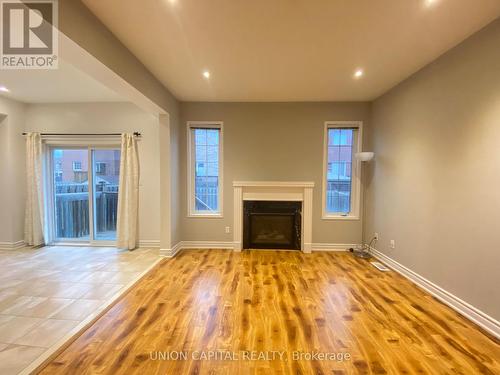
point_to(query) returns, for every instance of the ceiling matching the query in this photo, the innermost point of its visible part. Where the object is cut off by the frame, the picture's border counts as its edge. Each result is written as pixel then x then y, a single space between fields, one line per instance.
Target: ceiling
pixel 66 84
pixel 289 50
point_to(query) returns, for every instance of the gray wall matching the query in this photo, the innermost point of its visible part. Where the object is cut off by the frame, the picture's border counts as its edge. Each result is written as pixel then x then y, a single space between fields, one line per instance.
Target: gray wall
pixel 78 23
pixel 269 142
pixel 110 118
pixel 434 185
pixel 12 167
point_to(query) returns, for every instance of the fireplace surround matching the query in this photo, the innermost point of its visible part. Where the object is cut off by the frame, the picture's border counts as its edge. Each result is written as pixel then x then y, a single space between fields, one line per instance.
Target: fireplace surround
pixel 275 191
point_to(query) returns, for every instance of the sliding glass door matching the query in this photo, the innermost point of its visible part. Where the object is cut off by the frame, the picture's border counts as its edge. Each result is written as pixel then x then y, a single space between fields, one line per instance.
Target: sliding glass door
pixel 84 193
pixel 71 194
pixel 106 175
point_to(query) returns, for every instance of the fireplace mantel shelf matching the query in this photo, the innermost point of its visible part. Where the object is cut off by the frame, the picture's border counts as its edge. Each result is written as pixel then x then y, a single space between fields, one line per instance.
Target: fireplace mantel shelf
pixel 301 184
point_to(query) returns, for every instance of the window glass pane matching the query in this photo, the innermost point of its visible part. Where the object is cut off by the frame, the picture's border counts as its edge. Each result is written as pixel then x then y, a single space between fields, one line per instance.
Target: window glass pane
pixel 213 137
pixel 200 136
pixel 334 137
pixel 212 169
pixel 212 154
pixel 201 153
pixel 345 137
pixel 206 179
pixel 201 169
pixel 71 194
pixel 339 176
pixel 106 176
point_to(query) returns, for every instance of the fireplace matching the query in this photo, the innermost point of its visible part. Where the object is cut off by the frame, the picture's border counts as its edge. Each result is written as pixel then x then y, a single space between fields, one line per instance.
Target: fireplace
pixel 272 225
pixel 295 192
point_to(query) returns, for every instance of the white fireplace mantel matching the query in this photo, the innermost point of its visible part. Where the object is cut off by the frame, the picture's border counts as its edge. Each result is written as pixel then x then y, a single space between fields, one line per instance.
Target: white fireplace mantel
pixel 273 191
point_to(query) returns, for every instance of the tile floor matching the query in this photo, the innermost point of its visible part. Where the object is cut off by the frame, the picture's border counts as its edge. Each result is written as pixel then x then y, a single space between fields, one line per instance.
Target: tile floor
pixel 46 293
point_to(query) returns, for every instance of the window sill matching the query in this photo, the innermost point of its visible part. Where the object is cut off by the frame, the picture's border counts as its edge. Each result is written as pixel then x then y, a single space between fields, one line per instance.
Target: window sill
pixel 340 217
pixel 206 216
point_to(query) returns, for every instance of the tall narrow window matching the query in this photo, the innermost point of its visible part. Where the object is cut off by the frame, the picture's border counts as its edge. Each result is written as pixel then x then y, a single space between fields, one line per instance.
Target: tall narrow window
pixel 205 172
pixel 341 185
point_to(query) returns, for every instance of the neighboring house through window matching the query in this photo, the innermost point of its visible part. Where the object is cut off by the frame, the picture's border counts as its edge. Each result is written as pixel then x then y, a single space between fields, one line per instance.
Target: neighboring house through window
pixel 205 168
pixel 77 166
pixel 100 168
pixel 341 185
pixel 58 176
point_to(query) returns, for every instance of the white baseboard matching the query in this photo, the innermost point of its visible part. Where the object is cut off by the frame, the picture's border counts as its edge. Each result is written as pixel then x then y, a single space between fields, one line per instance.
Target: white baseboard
pixel 169 253
pixel 207 245
pixel 152 244
pixel 12 245
pixel 175 249
pixel 237 246
pixel 483 320
pixel 234 245
pixel 332 246
pixel 196 245
pixel 149 243
pixel 307 247
pixel 83 244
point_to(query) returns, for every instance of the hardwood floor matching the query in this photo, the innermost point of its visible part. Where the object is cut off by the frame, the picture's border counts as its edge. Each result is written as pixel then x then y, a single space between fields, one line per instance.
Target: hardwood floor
pixel 266 301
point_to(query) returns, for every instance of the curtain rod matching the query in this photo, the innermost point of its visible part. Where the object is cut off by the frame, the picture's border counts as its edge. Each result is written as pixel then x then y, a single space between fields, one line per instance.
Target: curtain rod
pixel 136 134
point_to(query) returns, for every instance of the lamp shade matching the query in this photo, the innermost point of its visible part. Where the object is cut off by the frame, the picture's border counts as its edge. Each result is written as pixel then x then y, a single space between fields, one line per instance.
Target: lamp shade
pixel 365 156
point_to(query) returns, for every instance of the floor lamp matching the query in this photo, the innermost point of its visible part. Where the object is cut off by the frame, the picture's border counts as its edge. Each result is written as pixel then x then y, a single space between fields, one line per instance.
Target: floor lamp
pixel 364 157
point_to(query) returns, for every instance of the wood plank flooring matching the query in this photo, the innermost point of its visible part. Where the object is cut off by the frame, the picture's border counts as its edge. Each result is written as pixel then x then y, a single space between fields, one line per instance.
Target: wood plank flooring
pixel 216 301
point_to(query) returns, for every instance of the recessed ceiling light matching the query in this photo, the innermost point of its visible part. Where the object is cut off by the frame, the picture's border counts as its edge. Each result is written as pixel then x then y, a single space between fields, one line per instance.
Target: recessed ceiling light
pixel 4 89
pixel 430 2
pixel 358 73
pixel 206 74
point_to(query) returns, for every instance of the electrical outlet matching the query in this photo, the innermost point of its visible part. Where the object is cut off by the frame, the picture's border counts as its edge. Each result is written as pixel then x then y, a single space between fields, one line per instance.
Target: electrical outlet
pixel 228 229
pixel 393 244
pixel 375 235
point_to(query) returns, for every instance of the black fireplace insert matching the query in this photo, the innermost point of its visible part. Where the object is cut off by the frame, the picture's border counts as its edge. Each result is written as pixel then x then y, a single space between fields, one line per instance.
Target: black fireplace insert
pixel 272 225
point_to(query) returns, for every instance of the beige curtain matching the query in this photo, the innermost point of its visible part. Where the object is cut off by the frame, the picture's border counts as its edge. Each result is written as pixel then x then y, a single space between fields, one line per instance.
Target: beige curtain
pixel 128 194
pixel 34 213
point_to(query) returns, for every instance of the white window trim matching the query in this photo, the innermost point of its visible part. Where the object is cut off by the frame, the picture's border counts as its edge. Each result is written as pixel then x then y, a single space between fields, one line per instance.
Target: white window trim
pixel 191 212
pixel 356 171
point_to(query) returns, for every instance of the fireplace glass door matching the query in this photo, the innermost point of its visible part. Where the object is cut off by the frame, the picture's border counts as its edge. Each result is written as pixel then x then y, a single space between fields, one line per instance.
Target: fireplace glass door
pixel 272 225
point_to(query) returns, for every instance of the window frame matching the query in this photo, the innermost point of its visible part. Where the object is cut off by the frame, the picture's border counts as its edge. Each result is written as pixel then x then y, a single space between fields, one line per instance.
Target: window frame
pixel 354 214
pixel 191 211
